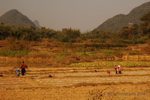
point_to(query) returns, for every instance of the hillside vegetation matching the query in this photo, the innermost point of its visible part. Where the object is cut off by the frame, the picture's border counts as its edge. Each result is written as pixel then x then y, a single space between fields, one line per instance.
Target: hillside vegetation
pixel 118 21
pixel 70 46
pixel 127 35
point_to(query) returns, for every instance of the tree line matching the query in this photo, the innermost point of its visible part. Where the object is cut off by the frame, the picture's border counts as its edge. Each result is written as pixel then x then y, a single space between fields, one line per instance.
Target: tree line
pixel 128 34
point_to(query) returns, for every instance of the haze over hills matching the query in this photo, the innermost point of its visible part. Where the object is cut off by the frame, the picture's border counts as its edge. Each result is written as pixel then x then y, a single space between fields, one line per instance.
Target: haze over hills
pixel 37 23
pixel 15 18
pixel 118 21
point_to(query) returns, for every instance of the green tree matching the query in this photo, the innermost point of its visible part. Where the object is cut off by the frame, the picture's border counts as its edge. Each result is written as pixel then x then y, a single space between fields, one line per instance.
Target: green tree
pixel 146 23
pixel 124 32
pixel 70 35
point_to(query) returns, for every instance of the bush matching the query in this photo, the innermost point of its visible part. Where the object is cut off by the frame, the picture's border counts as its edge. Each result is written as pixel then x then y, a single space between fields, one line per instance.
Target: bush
pixel 65 39
pixel 72 40
pixel 78 40
pixel 140 41
pixel 95 41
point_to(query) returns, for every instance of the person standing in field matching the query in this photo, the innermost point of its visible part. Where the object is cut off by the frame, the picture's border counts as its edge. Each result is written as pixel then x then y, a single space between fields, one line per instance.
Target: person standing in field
pixel 23 67
pixel 116 68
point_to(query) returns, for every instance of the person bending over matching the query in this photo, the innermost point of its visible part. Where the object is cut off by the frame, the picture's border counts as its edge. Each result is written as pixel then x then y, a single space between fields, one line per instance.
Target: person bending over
pixel 116 68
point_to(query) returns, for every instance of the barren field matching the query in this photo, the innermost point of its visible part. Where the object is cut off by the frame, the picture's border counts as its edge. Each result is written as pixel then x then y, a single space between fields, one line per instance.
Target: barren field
pixel 82 84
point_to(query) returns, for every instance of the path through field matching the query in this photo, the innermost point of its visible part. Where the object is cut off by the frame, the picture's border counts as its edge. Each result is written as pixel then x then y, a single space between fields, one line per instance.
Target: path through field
pixel 82 84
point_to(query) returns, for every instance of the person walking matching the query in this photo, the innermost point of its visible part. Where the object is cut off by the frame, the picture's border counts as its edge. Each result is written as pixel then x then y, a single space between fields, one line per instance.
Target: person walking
pixel 23 67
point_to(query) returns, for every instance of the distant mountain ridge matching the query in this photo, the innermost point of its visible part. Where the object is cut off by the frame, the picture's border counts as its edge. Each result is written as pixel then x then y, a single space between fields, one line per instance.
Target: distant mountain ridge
pixel 37 23
pixel 118 21
pixel 15 18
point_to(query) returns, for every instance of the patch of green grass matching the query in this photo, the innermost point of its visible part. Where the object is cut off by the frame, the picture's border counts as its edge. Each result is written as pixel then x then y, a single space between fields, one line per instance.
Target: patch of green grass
pixel 36 46
pixel 123 51
pixel 86 55
pixel 41 54
pixel 133 53
pixel 107 52
pixel 81 53
pixel 13 53
pixel 61 55
pixel 103 51
pixel 111 64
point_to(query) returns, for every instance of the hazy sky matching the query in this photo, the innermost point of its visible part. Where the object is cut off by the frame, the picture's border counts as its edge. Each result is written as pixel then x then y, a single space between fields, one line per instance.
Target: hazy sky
pixel 77 14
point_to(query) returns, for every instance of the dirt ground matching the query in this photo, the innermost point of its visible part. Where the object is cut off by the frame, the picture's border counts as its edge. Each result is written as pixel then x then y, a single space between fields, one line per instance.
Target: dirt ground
pixel 82 84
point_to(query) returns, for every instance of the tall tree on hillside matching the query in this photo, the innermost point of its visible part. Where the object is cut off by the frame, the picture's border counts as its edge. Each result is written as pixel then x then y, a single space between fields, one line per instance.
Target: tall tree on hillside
pixel 125 32
pixel 146 23
pixel 71 35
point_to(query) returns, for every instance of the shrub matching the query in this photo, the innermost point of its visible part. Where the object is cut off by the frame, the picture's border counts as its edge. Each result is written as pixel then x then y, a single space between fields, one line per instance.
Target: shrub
pixel 72 40
pixel 65 39
pixel 78 40
pixel 140 41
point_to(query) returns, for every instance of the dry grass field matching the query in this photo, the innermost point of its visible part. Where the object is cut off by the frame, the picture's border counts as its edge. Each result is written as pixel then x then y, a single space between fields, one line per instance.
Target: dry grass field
pixel 50 76
pixel 82 84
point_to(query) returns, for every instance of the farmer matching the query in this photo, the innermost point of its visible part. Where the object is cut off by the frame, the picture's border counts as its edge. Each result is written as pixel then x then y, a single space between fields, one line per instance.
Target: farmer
pixel 22 67
pixel 119 69
pixel 116 68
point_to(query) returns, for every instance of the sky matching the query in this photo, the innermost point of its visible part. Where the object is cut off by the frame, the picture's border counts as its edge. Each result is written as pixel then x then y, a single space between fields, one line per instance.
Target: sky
pixel 84 15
